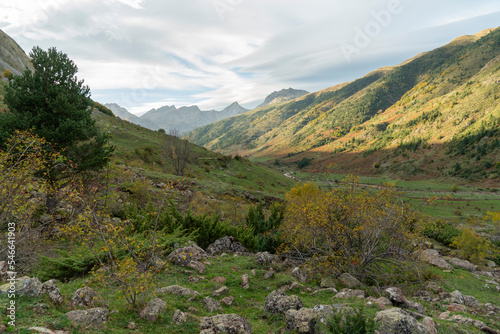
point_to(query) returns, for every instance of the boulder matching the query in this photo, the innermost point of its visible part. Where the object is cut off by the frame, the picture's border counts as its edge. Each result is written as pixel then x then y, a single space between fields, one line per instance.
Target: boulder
pixel 266 258
pixel 429 323
pixel 470 301
pixel 348 293
pixel 94 318
pixel 433 257
pixel 433 287
pixel 225 323
pixel 178 291
pixel 245 282
pixel 198 266
pixel 227 244
pixel 468 321
pixel 299 275
pixel 84 297
pixel 182 256
pixel 349 280
pixel 269 275
pixel 153 309
pixel 453 307
pixel 461 264
pixel 396 296
pixel 179 317
pixel 211 304
pixel 228 301
pixel 305 320
pixel 398 321
pixel 457 297
pixel 30 287
pixel 43 330
pixel 327 282
pixel 279 302
pixel 221 291
pixel 413 305
pixel 53 291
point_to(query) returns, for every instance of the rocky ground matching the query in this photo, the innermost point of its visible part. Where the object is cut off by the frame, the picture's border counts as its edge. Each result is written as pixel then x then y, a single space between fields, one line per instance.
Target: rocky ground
pixel 224 289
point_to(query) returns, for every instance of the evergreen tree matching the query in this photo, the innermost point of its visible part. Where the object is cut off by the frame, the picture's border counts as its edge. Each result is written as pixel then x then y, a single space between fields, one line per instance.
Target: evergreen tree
pixel 55 105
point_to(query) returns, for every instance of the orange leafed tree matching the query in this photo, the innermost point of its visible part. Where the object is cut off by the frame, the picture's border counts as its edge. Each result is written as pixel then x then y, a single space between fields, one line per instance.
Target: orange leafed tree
pixel 349 229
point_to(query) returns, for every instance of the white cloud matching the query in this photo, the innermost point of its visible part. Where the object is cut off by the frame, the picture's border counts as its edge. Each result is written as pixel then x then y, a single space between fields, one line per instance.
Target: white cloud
pixel 189 50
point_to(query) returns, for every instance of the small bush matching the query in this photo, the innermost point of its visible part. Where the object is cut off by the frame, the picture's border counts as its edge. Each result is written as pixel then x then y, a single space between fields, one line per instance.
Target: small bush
pixel 442 232
pixel 377 165
pixel 472 246
pixel 304 163
pixel 352 322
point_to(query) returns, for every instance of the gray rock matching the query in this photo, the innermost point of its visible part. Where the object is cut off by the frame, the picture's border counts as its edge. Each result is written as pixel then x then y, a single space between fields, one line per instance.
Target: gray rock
pixel 432 286
pixel 433 257
pixel 299 275
pixel 221 291
pixel 153 309
pixel 398 321
pixel 279 302
pixel 84 297
pixel 95 317
pixel 219 279
pixel 306 320
pixel 269 275
pixel 468 321
pixel 461 264
pixel 327 282
pixel 182 256
pixel 470 301
pixel 453 307
pixel 265 258
pixel 53 291
pixel 31 287
pixel 410 304
pixel 43 330
pixel 225 323
pixel 227 244
pixel 457 297
pixel 245 282
pixel 179 317
pixel 349 280
pixel 396 296
pixel 429 323
pixel 349 293
pixel 178 291
pixel 211 304
pixel 228 301
pixel 198 266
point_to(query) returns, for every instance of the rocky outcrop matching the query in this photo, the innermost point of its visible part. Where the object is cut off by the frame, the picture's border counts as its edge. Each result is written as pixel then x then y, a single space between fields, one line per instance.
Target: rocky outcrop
pixel 398 321
pixel 211 304
pixel 433 257
pixel 225 323
pixel 227 244
pixel 349 281
pixel 279 302
pixel 183 256
pixel 179 317
pixel 153 309
pixel 306 320
pixel 84 297
pixel 349 293
pixel 463 264
pixel 94 318
pixel 178 291
pixel 299 275
pixel 53 292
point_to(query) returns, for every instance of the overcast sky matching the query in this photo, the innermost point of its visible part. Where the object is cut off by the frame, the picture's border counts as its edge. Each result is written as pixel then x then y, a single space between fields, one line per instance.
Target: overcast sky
pixel 149 53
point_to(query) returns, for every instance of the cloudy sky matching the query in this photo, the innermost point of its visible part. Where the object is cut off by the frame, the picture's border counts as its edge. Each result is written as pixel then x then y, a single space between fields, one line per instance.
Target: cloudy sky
pixel 149 53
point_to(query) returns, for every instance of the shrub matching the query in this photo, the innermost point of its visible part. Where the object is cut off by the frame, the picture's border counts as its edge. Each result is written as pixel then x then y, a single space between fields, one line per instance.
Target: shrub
pixel 352 322
pixel 348 229
pixel 266 230
pixel 441 231
pixel 304 163
pixel 472 246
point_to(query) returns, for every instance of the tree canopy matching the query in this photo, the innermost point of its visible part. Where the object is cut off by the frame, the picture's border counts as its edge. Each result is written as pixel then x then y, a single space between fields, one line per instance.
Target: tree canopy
pixel 53 103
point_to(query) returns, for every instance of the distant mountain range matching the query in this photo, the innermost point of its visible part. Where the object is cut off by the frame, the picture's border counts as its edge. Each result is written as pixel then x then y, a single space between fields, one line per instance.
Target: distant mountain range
pixel 186 119
pixel 436 114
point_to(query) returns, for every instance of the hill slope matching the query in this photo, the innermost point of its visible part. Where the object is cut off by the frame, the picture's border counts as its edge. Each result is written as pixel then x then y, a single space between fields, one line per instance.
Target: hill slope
pixel 12 57
pixel 418 118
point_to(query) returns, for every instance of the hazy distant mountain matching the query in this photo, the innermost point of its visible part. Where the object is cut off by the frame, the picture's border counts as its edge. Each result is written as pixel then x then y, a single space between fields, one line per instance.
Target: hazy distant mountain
pixel 186 119
pixel 183 119
pixel 126 115
pixel 12 57
pixel 436 114
pixel 282 96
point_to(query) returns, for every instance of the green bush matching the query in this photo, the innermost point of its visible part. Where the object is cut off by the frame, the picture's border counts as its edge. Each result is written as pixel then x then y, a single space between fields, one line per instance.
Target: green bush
pixel 304 163
pixel 266 230
pixel 349 322
pixel 442 232
pixel 66 265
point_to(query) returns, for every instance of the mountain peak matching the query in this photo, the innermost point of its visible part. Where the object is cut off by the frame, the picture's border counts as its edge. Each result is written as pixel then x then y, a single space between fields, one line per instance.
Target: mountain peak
pixel 283 95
